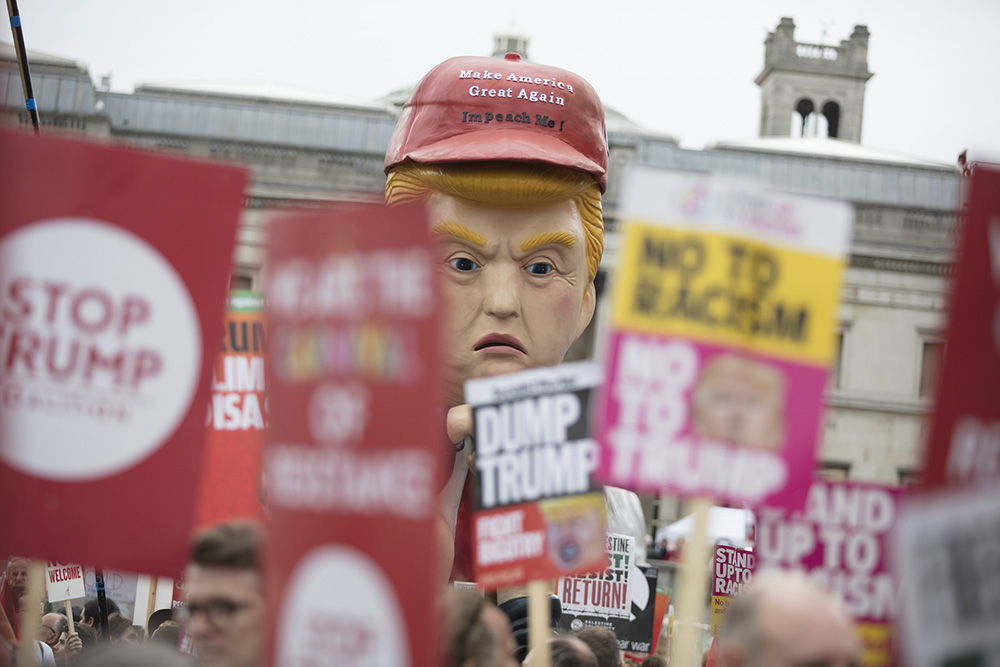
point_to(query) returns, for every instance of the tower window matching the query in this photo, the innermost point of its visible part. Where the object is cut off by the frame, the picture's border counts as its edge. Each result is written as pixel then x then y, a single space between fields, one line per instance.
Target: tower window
pixel 805 108
pixel 831 110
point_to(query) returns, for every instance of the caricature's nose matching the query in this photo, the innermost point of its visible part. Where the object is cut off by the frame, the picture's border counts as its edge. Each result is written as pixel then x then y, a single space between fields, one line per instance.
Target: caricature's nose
pixel 501 291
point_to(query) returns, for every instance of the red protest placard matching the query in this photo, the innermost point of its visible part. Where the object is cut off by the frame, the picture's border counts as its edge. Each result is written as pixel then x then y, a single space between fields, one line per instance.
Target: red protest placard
pixel 237 416
pixel 539 511
pixel 352 451
pixel 965 431
pixel 841 540
pixel 113 266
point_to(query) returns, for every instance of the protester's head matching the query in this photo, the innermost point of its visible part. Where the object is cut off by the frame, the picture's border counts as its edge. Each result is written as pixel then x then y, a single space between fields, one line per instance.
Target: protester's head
pixel 514 204
pixel 16 573
pixel 88 637
pixel 653 661
pixel 54 631
pixel 566 651
pixel 167 635
pixel 121 631
pixel 132 655
pixel 159 618
pixel 784 619
pixel 91 614
pixel 603 643
pixel 225 604
pixel 477 634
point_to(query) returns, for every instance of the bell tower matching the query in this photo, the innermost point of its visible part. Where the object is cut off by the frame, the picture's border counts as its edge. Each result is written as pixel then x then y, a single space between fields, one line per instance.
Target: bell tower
pixel 813 90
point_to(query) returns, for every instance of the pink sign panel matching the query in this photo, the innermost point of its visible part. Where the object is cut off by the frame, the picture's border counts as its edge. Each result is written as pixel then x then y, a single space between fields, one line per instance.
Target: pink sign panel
pixel 673 404
pixel 841 540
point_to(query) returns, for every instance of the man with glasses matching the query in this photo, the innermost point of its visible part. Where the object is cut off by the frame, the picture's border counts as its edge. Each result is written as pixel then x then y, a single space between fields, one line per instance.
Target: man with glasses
pixel 225 605
pixel 54 631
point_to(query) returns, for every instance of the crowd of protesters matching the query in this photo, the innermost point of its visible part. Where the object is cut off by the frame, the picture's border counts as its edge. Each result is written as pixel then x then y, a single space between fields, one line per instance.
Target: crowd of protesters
pixel 783 619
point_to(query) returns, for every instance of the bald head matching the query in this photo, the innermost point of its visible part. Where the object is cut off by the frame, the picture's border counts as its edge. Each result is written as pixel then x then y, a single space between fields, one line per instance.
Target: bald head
pixel 784 619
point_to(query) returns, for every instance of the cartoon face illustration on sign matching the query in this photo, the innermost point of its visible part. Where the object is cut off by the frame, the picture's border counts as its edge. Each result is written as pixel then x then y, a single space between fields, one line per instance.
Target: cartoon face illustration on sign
pixel 739 400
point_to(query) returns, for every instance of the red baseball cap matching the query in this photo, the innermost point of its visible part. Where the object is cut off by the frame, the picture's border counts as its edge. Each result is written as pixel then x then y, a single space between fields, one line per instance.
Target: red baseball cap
pixel 477 109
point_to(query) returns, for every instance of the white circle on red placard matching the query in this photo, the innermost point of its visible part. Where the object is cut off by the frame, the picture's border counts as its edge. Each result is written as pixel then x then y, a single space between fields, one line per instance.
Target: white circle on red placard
pixel 340 609
pixel 72 405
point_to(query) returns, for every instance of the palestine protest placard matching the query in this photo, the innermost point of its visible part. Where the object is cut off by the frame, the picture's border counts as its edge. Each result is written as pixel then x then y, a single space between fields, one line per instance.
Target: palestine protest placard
pixel 237 415
pixel 720 336
pixel 841 540
pixel 539 512
pixel 732 569
pixel 113 267
pixel 621 597
pixel 353 450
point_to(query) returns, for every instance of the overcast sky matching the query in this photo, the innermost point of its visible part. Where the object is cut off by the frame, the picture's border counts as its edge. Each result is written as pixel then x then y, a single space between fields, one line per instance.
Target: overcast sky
pixel 682 68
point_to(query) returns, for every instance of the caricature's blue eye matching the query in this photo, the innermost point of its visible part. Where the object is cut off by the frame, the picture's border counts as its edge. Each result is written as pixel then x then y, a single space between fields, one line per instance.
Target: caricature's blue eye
pixel 463 264
pixel 540 268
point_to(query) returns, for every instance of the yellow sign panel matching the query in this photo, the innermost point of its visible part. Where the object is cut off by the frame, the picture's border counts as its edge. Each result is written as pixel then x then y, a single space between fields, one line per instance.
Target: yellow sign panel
pixel 729 290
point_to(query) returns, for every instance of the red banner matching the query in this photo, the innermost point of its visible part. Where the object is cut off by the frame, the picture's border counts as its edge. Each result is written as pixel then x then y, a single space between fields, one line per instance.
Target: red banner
pixel 113 266
pixel 964 444
pixel 237 416
pixel 352 453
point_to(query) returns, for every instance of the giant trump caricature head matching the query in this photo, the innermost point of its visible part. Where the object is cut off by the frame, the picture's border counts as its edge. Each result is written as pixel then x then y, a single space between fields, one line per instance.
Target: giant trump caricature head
pixel 511 158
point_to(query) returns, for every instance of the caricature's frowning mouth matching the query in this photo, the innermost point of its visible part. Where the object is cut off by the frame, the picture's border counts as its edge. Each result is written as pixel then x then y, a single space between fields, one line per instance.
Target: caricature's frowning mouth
pixel 499 343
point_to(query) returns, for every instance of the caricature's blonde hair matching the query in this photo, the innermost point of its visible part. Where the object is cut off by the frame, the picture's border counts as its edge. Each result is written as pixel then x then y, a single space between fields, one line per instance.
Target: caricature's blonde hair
pixel 505 184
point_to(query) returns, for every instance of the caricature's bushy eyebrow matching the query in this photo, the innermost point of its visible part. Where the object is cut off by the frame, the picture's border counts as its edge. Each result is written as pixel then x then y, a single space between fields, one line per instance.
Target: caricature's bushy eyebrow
pixel 560 238
pixel 450 228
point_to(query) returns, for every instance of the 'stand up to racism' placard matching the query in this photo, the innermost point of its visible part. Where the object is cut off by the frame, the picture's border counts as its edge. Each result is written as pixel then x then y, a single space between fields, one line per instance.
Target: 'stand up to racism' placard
pixel 841 541
pixel 721 335
pixel 353 448
pixel 539 512
pixel 732 569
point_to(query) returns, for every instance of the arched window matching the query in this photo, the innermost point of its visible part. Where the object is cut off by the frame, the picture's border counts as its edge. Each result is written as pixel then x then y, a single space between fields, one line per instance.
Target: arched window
pixel 805 124
pixel 831 111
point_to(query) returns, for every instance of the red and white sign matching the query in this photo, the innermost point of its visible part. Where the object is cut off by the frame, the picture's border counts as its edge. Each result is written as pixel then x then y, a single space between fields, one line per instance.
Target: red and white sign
pixel 964 444
pixel 64 581
pixel 237 416
pixel 108 325
pixel 351 460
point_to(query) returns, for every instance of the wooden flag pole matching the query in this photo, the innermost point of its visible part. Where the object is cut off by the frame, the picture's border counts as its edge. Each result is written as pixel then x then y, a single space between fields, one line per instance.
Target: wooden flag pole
pixel 69 616
pixel 694 575
pixel 539 621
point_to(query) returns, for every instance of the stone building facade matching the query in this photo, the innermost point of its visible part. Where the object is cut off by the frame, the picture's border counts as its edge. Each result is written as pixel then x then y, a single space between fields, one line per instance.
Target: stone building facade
pixel 308 150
